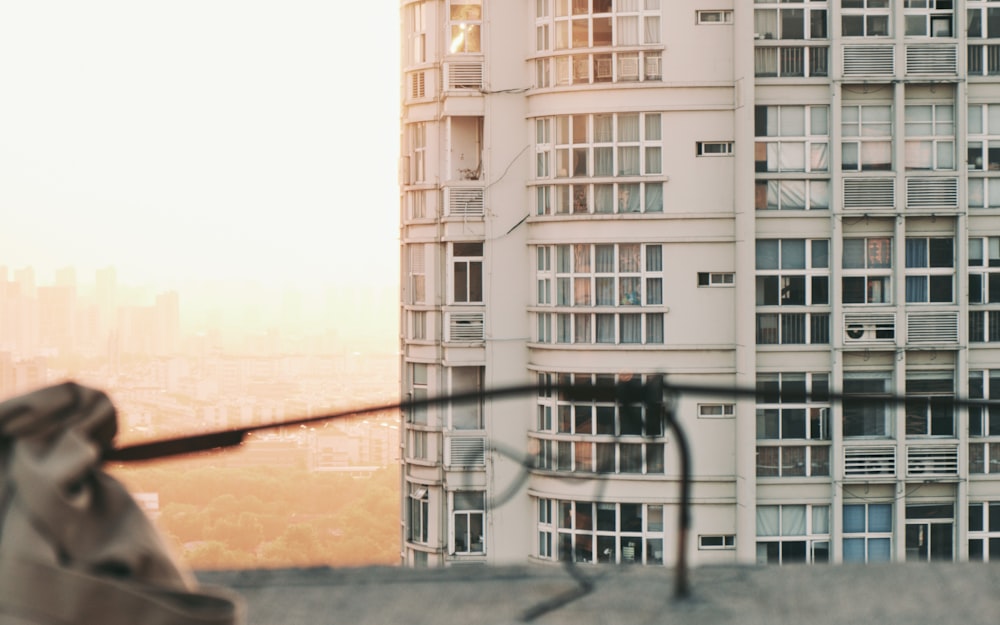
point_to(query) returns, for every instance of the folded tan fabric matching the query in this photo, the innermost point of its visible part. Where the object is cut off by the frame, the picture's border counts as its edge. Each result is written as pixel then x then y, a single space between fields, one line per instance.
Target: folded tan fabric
pixel 74 545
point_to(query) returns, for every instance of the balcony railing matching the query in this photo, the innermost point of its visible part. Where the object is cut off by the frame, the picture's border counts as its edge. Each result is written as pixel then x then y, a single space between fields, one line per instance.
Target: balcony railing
pixel 984 59
pixel 791 61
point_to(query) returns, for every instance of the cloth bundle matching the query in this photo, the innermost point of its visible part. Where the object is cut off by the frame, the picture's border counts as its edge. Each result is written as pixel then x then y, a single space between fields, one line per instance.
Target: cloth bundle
pixel 74 545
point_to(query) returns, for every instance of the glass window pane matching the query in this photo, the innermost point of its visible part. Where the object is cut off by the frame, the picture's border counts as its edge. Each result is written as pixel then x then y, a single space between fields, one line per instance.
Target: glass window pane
pixel 854 519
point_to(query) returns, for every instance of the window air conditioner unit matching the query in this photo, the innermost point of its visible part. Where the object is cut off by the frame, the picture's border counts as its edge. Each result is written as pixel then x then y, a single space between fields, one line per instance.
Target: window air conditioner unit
pixel 859 332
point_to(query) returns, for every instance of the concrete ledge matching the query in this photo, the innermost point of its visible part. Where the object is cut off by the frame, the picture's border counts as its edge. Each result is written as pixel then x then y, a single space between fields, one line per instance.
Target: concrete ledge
pixel 910 594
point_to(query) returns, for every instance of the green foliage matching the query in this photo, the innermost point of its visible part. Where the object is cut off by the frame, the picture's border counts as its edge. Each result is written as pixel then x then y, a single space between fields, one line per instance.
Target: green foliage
pixel 229 517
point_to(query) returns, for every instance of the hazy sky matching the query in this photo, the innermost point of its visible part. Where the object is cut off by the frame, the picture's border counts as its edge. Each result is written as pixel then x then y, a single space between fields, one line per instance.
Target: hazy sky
pixel 190 139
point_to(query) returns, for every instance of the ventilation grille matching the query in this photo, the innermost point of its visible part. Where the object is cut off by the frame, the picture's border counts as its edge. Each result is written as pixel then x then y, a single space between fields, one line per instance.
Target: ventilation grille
pixel 467 452
pixel 465 327
pixel 869 328
pixel 869 193
pixel 417 85
pixel 932 192
pixel 931 59
pixel 937 327
pixel 869 461
pixel 932 460
pixel 465 75
pixel 465 201
pixel 869 61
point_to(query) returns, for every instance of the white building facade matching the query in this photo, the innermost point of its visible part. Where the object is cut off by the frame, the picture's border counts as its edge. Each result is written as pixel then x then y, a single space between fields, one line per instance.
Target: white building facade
pixel 793 195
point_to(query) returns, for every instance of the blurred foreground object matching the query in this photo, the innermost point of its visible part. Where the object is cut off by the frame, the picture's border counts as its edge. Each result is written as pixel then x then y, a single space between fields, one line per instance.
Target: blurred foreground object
pixel 74 546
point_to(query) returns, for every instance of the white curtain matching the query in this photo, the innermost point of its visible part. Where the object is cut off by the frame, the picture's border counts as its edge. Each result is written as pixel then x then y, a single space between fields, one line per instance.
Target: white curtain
pixel 605 328
pixel 767 520
pixel 654 333
pixel 653 127
pixel 604 198
pixel 765 23
pixel 628 127
pixel 651 29
pixel 793 194
pixel 605 258
pixel 603 128
pixel 654 197
pixel 628 161
pixel 654 291
pixel 654 163
pixel 819 194
pixel 631 328
pixel 604 161
pixel 627 29
pixel 793 520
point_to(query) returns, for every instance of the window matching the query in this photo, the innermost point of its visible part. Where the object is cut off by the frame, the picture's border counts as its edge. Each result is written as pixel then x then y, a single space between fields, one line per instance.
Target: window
pixel 867 137
pixel 415 18
pixel 928 18
pixel 708 411
pixel 867 271
pixel 714 17
pixel 418 152
pixel 417 449
pixel 418 514
pixel 793 413
pixel 793 534
pixel 711 542
pixel 467 272
pixel 468 516
pixel 465 22
pixel 984 424
pixel 584 149
pixel 418 271
pixel 792 272
pixel 601 532
pixel 597 436
pixel 983 156
pixel 929 532
pixel 466 415
pixel 928 403
pixel 930 136
pixel 788 194
pixel 930 269
pixel 984 288
pixel 867 532
pixel 864 18
pixel 867 414
pixel 983 18
pixel 418 390
pixel 418 325
pixel 713 148
pixel 726 278
pixel 795 19
pixel 610 287
pixel 792 138
pixel 984 531
pixel 600 41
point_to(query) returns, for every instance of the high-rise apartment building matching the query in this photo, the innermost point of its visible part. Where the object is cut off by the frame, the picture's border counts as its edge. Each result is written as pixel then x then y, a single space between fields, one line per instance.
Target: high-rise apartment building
pixel 792 195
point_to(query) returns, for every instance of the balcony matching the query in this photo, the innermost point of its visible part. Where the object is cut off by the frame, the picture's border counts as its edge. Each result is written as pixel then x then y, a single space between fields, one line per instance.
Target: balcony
pixel 983 60
pixel 931 460
pixel 791 61
pixel 869 461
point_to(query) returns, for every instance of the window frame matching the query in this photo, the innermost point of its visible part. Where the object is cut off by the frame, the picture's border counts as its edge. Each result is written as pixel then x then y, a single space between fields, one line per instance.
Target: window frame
pixel 871 139
pixel 778 406
pixel 923 270
pixel 584 532
pixel 867 536
pixel 471 266
pixel 775 548
pixel 466 517
pixel 984 529
pixel 468 27
pixel 874 273
pixel 871 425
pixel 873 16
pixel 772 146
pixel 929 145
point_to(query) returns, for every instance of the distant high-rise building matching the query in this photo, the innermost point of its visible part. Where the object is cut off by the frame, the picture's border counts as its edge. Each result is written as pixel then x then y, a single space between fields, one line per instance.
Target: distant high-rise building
pixel 792 195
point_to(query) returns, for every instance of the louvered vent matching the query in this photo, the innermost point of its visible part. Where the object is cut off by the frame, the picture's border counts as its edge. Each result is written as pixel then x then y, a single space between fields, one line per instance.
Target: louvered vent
pixel 465 201
pixel 869 461
pixel 465 75
pixel 936 327
pixel 925 60
pixel 417 85
pixel 467 452
pixel 932 460
pixel 869 327
pixel 869 61
pixel 932 192
pixel 869 193
pixel 465 327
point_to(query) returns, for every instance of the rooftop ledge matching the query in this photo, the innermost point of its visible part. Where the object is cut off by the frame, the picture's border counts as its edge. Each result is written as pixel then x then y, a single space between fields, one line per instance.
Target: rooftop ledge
pixel 887 594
